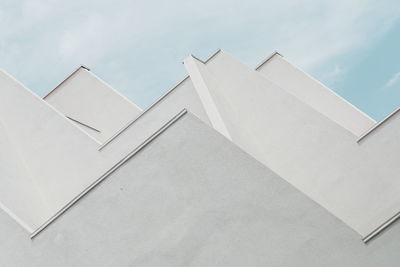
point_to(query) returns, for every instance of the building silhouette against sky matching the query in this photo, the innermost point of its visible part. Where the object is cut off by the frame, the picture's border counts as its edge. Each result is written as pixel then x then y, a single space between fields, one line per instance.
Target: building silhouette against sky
pixel 234 166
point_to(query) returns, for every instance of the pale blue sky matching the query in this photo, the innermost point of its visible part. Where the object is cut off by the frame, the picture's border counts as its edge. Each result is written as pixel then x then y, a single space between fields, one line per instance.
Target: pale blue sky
pixel 138 46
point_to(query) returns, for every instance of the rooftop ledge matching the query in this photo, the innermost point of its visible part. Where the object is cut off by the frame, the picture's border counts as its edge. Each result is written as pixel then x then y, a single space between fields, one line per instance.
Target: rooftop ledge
pixel 173 88
pixel 63 81
pixel 377 125
pixel 147 141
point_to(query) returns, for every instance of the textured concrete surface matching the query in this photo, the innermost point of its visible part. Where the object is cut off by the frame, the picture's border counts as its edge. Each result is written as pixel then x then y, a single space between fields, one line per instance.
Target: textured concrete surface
pixel 192 198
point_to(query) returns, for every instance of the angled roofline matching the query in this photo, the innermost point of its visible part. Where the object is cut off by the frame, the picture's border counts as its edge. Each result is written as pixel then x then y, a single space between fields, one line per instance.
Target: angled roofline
pixel 116 91
pixel 155 103
pixel 63 81
pixel 209 57
pixel 137 149
pixel 314 79
pixel 203 93
pixel 381 228
pixel 142 113
pixel 101 80
pixel 259 65
pixel 377 125
pixel 263 62
pixel 50 106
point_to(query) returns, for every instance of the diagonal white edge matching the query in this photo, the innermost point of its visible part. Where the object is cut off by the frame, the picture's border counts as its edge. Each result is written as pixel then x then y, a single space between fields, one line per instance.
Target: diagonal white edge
pixel 33 211
pixel 377 125
pixel 276 53
pixel 65 79
pixel 50 106
pixel 110 171
pixel 98 78
pixel 362 137
pixel 381 228
pixel 205 96
pixel 115 91
pixel 259 65
pixel 15 218
pixel 392 219
pixel 18 153
pixel 141 114
pixel 336 94
pixel 162 97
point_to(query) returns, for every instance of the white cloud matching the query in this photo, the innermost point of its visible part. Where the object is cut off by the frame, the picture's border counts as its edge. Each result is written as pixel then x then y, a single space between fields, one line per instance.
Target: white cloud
pixel 393 80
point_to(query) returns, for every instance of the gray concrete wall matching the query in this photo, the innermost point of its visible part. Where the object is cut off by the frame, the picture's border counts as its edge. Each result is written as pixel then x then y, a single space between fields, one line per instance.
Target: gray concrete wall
pixel 192 198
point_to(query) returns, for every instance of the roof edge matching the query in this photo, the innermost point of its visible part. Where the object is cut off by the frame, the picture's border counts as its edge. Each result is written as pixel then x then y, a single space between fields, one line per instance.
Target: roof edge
pixel 377 125
pixel 161 98
pixel 63 81
pixel 267 59
pixel 88 189
pixel 381 228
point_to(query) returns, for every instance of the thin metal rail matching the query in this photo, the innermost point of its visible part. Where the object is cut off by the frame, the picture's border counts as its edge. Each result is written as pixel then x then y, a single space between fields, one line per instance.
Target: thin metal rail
pixel 153 105
pixel 63 81
pixel 381 228
pixel 110 171
pixel 375 126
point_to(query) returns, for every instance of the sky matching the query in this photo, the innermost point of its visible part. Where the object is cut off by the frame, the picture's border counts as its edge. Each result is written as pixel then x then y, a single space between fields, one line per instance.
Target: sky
pixel 137 47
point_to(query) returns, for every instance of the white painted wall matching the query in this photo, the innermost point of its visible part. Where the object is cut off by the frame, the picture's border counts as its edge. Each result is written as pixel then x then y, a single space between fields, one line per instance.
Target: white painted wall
pixel 204 203
pixel 18 189
pixel 63 160
pixel 315 94
pixel 86 98
pixel 180 97
pixel 305 147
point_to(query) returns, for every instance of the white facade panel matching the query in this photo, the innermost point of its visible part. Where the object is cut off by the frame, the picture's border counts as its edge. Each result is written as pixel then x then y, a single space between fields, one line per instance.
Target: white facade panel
pixel 88 100
pixel 288 123
pixel 315 94
pixel 305 147
pixel 192 198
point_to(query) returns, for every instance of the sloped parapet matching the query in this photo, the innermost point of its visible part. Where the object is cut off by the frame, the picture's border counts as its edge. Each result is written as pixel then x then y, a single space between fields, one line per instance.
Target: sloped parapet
pixel 302 144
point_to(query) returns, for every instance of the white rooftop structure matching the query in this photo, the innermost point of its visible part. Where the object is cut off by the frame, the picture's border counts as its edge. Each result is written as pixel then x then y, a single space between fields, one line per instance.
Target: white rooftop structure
pixel 234 166
pixel 92 104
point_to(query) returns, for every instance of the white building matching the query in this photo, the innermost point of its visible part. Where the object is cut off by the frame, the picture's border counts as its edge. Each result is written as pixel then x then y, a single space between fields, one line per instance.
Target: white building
pixel 234 166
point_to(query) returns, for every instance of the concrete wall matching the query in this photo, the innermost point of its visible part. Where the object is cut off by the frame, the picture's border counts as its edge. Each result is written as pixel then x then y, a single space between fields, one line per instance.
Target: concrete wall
pixel 355 181
pixel 316 154
pixel 204 203
pixel 62 159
